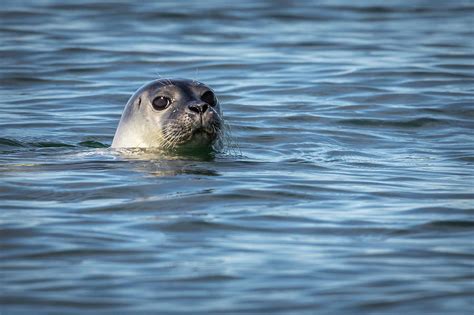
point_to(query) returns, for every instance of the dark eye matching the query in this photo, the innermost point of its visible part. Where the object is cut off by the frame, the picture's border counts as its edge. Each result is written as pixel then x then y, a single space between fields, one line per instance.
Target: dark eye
pixel 209 98
pixel 161 102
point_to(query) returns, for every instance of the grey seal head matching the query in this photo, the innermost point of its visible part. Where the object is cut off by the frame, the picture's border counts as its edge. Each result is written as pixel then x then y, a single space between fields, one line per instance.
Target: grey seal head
pixel 171 114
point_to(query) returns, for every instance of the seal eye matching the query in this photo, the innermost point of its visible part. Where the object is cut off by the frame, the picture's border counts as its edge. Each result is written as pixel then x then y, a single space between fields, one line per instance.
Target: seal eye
pixel 209 98
pixel 161 102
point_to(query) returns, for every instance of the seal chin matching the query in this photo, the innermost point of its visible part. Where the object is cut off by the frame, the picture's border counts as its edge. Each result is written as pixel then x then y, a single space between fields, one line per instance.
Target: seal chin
pixel 203 137
pixel 204 132
pixel 199 140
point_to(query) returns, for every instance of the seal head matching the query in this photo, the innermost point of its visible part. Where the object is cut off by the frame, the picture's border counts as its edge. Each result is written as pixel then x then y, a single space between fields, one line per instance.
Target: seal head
pixel 171 114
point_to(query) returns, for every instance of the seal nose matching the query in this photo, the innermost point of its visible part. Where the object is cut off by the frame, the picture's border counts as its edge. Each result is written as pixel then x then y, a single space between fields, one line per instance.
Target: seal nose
pixel 199 108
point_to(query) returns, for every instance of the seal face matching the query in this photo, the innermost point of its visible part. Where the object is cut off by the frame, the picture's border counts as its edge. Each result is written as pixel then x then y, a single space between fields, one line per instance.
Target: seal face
pixel 170 114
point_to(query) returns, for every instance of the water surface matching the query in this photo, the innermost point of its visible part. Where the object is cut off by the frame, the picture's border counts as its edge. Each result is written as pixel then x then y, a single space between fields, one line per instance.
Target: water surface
pixel 348 189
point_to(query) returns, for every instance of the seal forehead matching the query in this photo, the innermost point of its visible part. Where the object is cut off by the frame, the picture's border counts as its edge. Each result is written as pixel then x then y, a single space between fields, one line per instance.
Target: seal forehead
pixel 188 87
pixel 176 82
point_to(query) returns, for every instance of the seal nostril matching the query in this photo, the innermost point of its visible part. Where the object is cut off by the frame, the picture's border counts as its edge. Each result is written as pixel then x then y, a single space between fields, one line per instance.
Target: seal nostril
pixel 201 108
pixel 194 108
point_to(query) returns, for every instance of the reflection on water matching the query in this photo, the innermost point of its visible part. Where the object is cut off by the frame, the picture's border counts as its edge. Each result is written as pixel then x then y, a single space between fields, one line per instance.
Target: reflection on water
pixel 345 186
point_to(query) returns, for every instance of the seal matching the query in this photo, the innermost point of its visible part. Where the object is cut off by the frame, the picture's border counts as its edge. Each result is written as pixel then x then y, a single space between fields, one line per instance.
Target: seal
pixel 171 114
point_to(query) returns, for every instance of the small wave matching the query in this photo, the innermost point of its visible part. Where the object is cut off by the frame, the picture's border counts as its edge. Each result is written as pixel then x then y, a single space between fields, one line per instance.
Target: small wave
pixel 447 225
pixel 47 144
pixel 413 123
pixel 92 144
pixel 10 143
pixel 7 142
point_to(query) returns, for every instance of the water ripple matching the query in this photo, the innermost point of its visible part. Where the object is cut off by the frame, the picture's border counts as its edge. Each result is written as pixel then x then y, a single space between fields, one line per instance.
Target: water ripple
pixel 346 187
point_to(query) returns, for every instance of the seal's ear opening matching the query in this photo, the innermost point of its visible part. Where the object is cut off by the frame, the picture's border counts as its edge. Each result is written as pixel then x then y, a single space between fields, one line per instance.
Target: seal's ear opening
pixel 137 102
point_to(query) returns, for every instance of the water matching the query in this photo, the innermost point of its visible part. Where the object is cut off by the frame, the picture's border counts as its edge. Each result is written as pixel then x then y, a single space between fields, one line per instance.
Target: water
pixel 348 190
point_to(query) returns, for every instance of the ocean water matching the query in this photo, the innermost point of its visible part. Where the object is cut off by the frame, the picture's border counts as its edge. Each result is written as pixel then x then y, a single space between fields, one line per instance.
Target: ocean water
pixel 346 187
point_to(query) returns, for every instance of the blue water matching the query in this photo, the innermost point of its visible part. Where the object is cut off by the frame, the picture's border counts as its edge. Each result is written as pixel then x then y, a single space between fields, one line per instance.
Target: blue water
pixel 346 186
